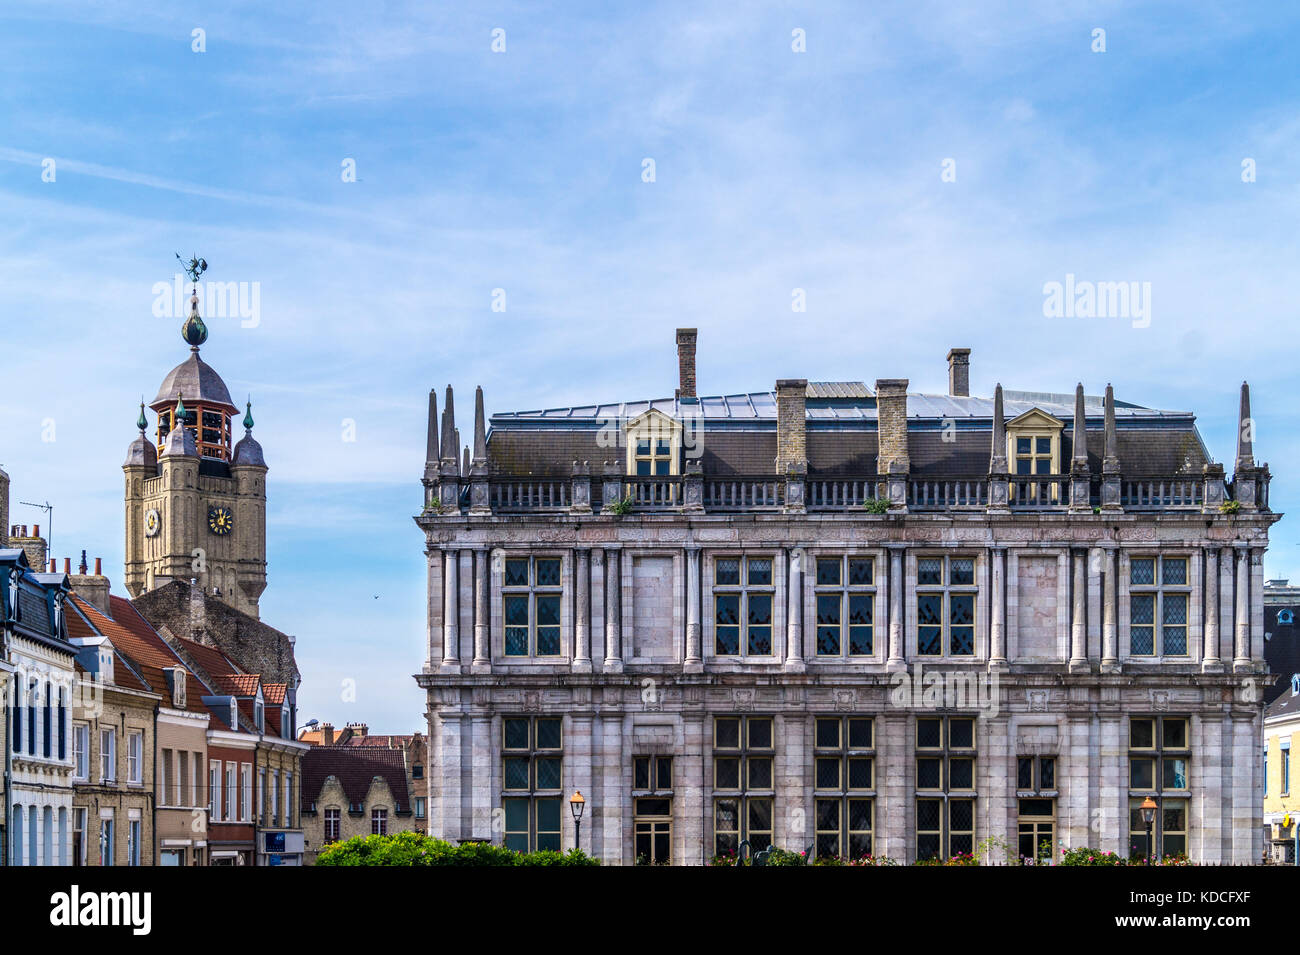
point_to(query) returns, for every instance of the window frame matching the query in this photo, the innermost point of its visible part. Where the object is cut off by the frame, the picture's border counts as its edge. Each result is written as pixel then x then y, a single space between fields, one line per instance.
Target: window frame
pixel 846 591
pixel 845 796
pixel 946 590
pixel 945 793
pixel 1155 754
pixel 1156 591
pixel 535 796
pixel 532 592
pixel 743 591
pixel 746 797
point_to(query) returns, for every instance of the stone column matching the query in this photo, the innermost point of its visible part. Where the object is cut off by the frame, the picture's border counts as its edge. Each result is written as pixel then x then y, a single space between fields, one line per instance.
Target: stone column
pixel 1210 655
pixel 613 611
pixel 1255 608
pixel 694 637
pixel 482 619
pixel 1241 654
pixel 794 617
pixel 998 623
pixel 1078 631
pixel 450 611
pixel 582 618
pixel 1109 615
pixel 897 584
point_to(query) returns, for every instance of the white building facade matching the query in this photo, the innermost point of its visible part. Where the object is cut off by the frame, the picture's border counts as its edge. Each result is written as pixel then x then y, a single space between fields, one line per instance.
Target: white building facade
pixel 854 620
pixel 39 746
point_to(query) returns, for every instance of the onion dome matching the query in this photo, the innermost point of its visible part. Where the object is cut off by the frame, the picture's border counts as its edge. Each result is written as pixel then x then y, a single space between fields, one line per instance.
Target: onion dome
pixel 248 452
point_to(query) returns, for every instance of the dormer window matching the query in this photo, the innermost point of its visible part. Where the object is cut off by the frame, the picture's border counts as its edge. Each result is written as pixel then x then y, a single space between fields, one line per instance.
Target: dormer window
pixel 1295 684
pixel 259 716
pixel 654 443
pixel 1034 443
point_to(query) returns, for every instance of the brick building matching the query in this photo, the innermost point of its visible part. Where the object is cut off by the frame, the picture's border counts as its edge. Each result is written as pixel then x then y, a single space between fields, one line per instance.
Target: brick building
pixel 852 618
pixel 113 748
pixel 355 791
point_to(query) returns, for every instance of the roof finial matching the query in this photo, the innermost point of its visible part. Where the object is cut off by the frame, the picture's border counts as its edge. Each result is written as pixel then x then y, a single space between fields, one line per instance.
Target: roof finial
pixel 194 332
pixel 142 422
pixel 1079 433
pixel 248 414
pixel 1245 432
pixel 181 413
pixel 1110 441
pixel 998 451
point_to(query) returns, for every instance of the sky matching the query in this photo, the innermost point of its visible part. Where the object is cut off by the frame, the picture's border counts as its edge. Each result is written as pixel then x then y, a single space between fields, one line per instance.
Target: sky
pixel 920 171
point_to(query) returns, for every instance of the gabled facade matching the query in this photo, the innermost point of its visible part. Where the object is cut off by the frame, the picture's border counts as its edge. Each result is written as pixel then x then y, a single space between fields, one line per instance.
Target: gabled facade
pixel 848 617
pixel 354 791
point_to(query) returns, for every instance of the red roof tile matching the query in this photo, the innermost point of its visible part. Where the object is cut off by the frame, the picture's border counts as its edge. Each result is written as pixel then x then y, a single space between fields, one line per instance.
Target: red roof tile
pixel 274 693
pixel 238 684
pixel 152 654
pixel 87 621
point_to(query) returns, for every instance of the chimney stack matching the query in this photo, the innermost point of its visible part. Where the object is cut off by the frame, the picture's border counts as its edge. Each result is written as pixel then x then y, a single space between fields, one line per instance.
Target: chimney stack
pixel 792 426
pixel 891 422
pixel 327 734
pixel 686 362
pixel 959 372
pixel 33 545
pixel 92 588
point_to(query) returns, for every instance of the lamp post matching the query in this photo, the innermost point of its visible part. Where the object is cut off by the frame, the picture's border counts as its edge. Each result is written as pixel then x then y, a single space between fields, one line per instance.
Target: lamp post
pixel 1148 810
pixel 576 805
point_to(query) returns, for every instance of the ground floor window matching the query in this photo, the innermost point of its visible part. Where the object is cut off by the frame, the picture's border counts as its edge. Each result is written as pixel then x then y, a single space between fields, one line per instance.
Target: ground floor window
pixel 844 827
pixel 1168 829
pixel 944 828
pixel 653 831
pixel 532 824
pixel 1036 829
pixel 171 857
pixel 737 819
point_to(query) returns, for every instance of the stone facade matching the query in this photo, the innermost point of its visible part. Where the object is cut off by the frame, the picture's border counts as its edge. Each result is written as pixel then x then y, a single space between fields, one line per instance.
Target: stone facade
pixel 974 663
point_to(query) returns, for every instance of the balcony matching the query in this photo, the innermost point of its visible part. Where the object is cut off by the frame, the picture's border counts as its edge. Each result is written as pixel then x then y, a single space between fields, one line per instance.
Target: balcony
pixel 695 492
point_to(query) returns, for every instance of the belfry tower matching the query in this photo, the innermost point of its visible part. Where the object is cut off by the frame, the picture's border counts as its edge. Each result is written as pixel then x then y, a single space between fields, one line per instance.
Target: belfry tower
pixel 195 509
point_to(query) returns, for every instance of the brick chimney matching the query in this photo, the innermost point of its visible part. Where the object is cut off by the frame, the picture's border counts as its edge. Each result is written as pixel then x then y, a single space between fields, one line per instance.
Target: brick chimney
pixel 327 734
pixel 33 545
pixel 891 415
pixel 791 426
pixel 959 372
pixel 92 588
pixel 686 362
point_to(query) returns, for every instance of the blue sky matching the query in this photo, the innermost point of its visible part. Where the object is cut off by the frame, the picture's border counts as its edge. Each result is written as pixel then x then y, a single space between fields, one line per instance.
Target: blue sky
pixel 522 170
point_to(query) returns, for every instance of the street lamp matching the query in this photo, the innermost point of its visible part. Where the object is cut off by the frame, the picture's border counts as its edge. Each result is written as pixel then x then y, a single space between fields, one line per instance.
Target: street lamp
pixel 576 805
pixel 1148 809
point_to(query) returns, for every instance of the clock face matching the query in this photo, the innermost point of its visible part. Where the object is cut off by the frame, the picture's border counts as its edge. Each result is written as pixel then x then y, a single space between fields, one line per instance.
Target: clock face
pixel 220 521
pixel 152 523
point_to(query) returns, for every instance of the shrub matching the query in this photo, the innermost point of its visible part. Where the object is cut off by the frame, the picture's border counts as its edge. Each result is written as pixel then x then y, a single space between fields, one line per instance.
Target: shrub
pixel 620 508
pixel 1230 507
pixel 876 505
pixel 786 857
pixel 1085 856
pixel 416 849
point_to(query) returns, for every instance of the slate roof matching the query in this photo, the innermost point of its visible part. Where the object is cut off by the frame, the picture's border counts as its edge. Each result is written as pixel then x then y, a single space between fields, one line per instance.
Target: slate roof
pixel 194 380
pixel 355 768
pixel 737 433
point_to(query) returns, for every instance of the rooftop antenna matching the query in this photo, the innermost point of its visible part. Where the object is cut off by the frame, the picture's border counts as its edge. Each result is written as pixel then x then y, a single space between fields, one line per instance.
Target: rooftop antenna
pixel 48 508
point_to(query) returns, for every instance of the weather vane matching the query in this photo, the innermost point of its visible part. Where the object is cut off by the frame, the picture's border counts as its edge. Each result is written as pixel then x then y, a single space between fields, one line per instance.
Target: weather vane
pixel 193 268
